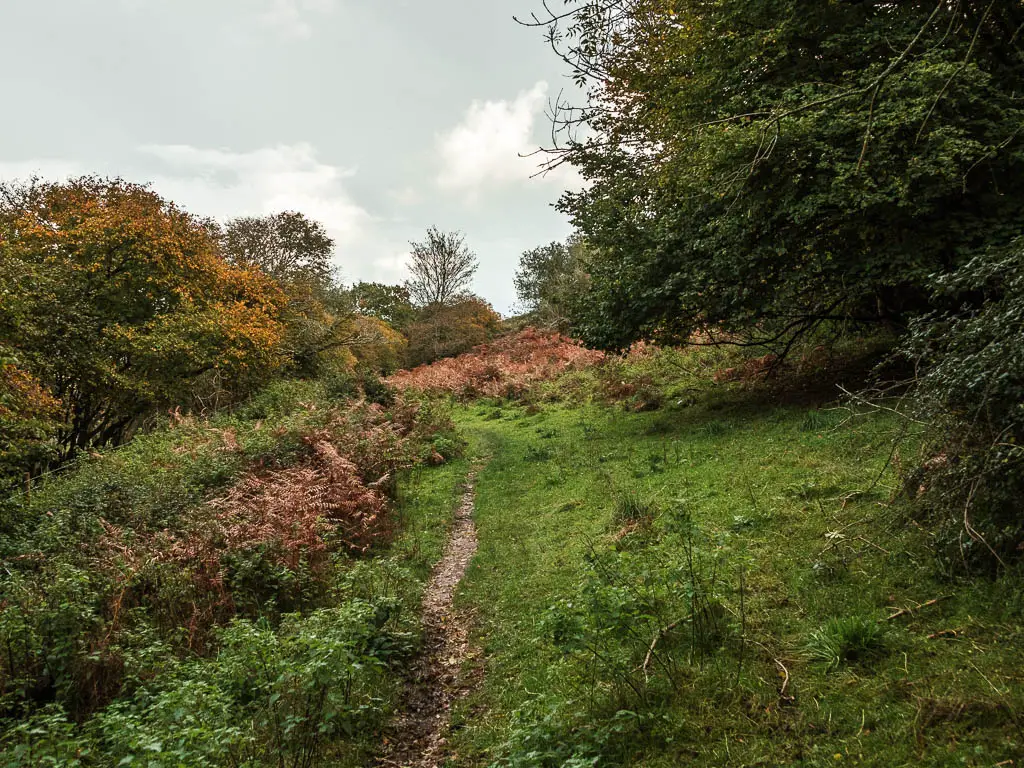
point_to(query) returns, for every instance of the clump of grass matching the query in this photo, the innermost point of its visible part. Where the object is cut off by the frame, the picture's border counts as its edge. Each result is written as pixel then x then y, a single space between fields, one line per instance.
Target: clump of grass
pixel 664 424
pixel 714 428
pixel 539 453
pixel 822 421
pixel 846 639
pixel 633 508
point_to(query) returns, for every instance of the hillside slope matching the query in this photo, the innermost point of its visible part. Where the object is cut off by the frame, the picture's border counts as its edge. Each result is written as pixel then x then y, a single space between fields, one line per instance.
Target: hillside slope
pixel 734 583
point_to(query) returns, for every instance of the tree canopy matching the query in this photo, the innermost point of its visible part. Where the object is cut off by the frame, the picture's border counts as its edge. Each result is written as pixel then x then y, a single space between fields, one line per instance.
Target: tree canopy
pixel 550 279
pixel 445 331
pixel 118 303
pixel 390 303
pixel 287 246
pixel 442 268
pixel 762 167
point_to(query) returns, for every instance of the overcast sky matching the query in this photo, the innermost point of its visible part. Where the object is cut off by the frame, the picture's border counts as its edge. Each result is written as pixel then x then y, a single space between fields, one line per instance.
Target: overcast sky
pixel 379 118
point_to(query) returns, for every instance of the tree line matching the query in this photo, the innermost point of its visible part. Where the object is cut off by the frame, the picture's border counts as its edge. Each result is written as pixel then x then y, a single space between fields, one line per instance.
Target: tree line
pixel 116 306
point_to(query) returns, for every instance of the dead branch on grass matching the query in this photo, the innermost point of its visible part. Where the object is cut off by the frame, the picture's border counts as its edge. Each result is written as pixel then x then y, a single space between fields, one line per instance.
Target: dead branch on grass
pixel 918 607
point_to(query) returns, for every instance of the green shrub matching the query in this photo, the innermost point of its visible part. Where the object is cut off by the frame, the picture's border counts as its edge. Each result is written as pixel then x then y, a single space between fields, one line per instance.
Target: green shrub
pixel 46 738
pixel 268 695
pixel 971 394
pixel 447 446
pixel 539 452
pixel 547 734
pixel 340 385
pixel 376 390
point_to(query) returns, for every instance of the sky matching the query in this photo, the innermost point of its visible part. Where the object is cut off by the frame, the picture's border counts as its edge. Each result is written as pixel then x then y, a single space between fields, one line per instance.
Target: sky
pixel 377 118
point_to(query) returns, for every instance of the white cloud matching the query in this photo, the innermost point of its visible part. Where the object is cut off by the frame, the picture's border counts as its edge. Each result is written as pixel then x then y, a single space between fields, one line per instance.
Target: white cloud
pixel 290 18
pixel 223 184
pixel 391 268
pixel 45 168
pixel 406 196
pixel 487 146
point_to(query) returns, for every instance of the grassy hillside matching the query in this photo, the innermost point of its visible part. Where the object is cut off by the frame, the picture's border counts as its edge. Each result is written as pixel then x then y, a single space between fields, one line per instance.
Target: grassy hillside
pixel 680 562
pixel 731 583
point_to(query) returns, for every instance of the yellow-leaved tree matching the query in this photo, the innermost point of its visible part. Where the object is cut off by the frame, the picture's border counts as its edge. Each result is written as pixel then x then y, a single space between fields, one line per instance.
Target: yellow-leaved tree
pixel 119 304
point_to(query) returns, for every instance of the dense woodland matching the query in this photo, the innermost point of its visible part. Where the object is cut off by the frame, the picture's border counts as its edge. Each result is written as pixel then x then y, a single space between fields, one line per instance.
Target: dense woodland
pixel 750 456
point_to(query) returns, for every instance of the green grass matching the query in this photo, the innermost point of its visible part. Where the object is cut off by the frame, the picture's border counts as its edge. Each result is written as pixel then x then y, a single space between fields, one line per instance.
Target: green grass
pixel 846 639
pixel 426 499
pixel 773 559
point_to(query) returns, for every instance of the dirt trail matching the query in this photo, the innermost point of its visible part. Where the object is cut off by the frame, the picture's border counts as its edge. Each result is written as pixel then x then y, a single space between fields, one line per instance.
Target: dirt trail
pixel 419 735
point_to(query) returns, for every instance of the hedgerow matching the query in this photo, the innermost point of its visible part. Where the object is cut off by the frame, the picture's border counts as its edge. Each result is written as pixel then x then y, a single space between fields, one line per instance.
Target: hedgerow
pixel 970 395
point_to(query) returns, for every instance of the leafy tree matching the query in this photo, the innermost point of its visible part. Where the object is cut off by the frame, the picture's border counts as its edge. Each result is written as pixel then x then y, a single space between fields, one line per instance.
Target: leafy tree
pixel 119 303
pixel 380 348
pixel 442 268
pixel 287 246
pixel 549 280
pixel 446 331
pixel 764 167
pixel 296 252
pixel 390 303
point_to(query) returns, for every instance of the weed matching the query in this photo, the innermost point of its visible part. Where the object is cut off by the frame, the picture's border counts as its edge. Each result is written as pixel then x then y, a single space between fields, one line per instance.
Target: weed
pixel 714 428
pixel 539 453
pixel 664 424
pixel 810 490
pixel 821 421
pixel 741 522
pixel 633 508
pixel 846 639
pixel 656 462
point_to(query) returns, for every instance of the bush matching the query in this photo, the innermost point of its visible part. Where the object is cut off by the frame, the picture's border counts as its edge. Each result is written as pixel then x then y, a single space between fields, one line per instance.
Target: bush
pixel 45 738
pixel 267 696
pixel 444 331
pixel 139 555
pixel 971 393
pixel 506 368
pixel 632 508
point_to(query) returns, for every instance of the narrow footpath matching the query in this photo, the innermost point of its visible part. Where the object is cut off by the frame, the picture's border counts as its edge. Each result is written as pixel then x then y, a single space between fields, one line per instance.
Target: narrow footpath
pixel 418 736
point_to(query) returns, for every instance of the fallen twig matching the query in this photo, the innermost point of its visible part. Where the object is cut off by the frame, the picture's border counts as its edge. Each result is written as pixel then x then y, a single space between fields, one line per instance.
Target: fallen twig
pixel 782 690
pixel 904 611
pixel 871 543
pixel 654 642
pixel 785 672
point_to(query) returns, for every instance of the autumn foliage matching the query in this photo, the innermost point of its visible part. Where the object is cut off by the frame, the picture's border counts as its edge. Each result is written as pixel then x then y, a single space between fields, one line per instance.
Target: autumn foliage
pixel 119 303
pixel 28 413
pixel 505 368
pixel 446 330
pixel 190 527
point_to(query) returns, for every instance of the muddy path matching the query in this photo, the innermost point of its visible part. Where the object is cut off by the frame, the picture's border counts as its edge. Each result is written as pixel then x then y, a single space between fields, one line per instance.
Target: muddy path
pixel 418 736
